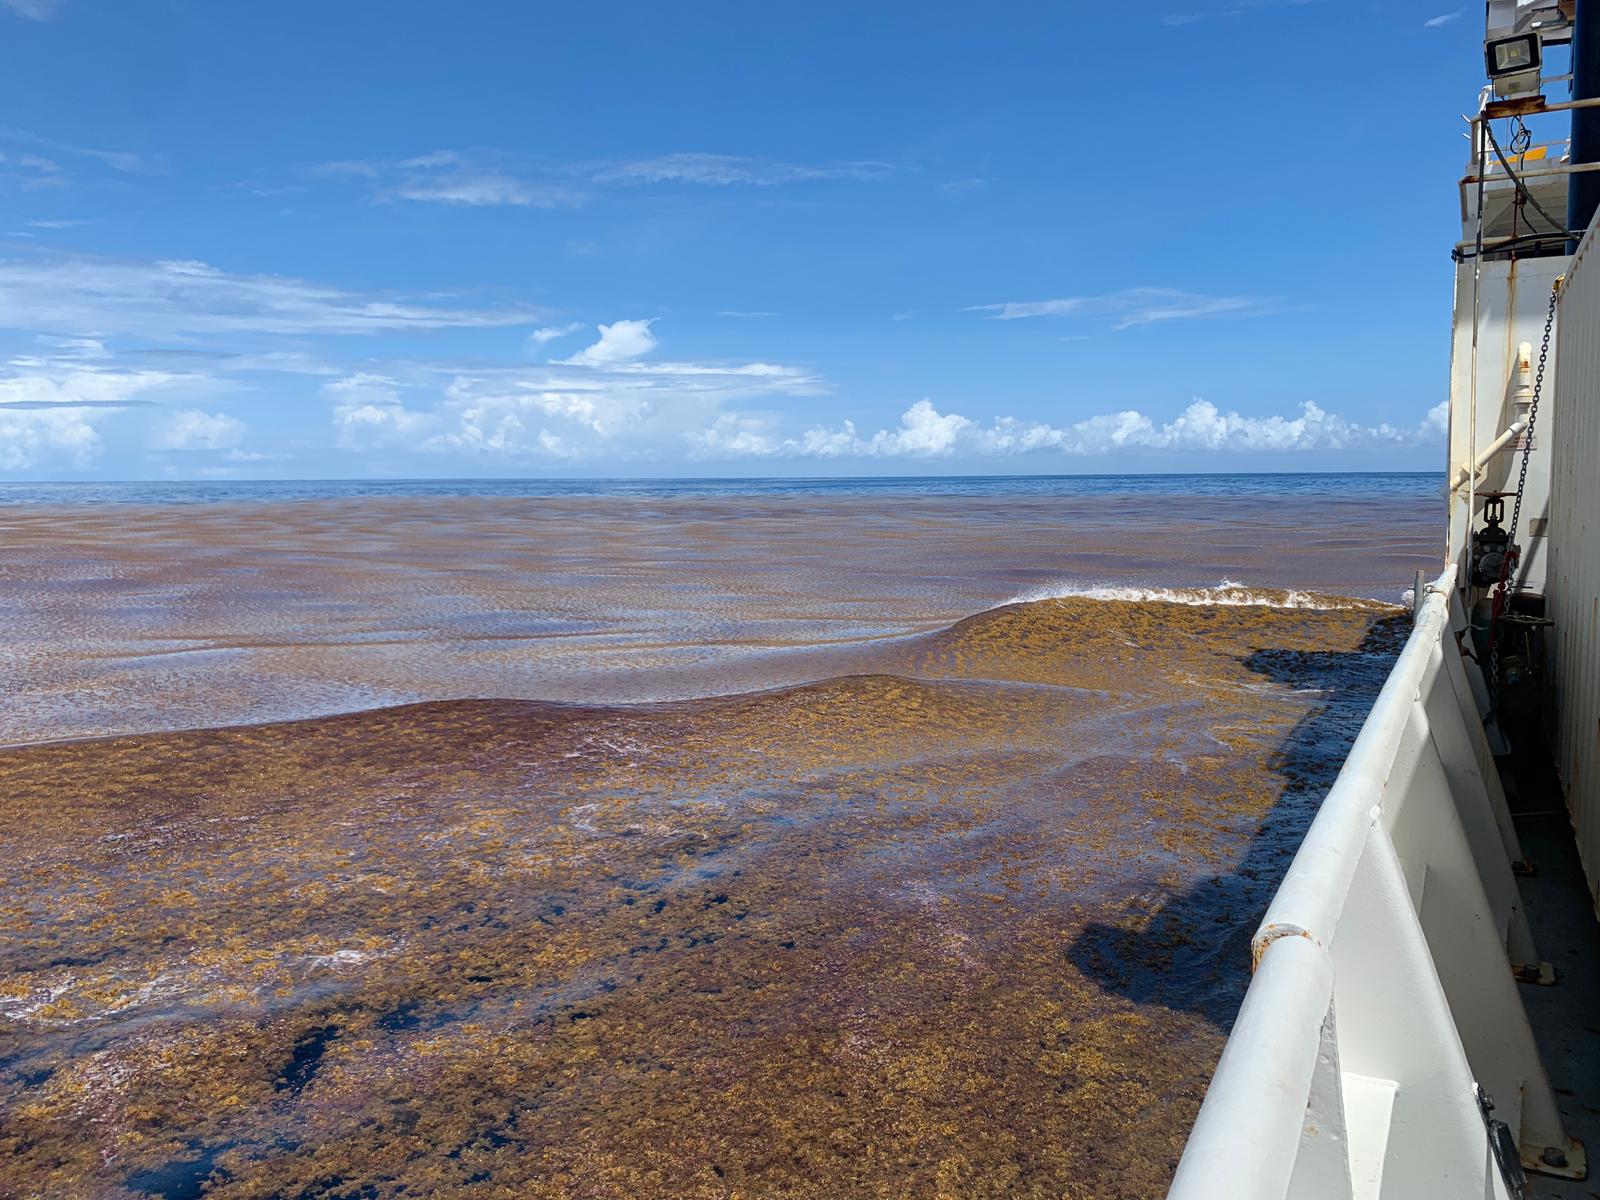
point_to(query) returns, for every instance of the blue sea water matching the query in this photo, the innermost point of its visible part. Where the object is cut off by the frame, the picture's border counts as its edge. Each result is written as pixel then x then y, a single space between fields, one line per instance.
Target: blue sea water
pixel 1390 485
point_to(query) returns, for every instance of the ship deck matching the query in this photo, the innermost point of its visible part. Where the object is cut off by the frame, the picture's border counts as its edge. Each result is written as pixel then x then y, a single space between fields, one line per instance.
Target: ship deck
pixel 1564 1017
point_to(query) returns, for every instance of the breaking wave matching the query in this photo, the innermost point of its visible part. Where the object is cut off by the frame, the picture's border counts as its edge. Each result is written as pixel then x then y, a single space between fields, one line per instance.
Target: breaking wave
pixel 1226 593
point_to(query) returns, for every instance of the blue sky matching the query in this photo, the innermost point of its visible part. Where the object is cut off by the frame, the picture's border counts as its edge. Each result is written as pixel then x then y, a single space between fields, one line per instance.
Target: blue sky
pixel 506 239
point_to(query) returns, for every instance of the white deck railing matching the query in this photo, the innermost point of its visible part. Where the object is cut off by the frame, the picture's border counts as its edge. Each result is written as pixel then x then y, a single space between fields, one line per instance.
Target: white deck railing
pixel 1384 993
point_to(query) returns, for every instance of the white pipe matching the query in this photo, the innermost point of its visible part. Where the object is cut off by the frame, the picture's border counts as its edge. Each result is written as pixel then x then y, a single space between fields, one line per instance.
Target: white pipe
pixel 1512 431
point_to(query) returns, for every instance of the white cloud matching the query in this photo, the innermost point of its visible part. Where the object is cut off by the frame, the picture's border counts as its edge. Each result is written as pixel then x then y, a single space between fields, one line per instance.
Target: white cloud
pixel 733 436
pixel 1441 19
pixel 30 172
pixel 721 170
pixel 38 10
pixel 926 433
pixel 36 437
pixel 55 224
pixel 618 343
pixel 479 179
pixel 82 295
pixel 543 337
pixel 603 404
pixel 46 382
pixel 192 429
pixel 923 432
pixel 1132 307
pixel 439 180
pixel 117 160
pixel 52 411
pixel 641 413
pixel 359 167
pixel 482 178
pixel 368 412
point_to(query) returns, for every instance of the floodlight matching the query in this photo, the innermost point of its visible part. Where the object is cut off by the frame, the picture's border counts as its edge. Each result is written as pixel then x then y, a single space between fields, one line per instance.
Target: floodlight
pixel 1512 55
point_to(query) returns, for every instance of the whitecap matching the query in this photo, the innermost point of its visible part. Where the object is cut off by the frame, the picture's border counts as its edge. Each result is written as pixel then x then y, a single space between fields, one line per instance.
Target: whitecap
pixel 1226 593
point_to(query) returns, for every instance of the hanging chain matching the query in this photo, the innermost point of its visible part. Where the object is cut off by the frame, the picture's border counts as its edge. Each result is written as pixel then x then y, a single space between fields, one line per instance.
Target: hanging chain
pixel 1507 583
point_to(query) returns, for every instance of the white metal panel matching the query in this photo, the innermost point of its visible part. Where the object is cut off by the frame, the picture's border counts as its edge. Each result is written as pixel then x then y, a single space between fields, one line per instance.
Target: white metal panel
pixel 1573 591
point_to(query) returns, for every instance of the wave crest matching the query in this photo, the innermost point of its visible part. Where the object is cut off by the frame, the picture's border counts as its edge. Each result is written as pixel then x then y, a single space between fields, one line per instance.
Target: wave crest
pixel 1226 593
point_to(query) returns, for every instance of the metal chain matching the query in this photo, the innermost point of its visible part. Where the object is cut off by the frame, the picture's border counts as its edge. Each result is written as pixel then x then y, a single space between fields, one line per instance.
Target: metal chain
pixel 1506 583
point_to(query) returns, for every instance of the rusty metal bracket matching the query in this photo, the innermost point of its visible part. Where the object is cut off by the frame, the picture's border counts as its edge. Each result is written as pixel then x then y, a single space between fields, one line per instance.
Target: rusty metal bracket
pixel 1564 1162
pixel 1519 106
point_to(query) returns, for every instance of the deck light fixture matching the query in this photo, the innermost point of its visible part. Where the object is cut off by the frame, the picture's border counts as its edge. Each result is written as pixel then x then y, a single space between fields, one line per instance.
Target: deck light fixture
pixel 1513 63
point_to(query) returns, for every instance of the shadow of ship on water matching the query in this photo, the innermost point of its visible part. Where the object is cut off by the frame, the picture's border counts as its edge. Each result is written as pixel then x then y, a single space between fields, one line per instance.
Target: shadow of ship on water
pixel 1192 953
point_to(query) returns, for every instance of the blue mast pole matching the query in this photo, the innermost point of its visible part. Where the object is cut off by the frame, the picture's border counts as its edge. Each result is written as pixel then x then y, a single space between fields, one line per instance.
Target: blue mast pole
pixel 1583 187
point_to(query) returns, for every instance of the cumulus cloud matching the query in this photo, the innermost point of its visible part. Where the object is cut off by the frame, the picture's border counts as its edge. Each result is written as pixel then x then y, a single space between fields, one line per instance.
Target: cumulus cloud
pixel 923 432
pixel 192 429
pixel 926 433
pixel 733 436
pixel 1202 426
pixel 1131 307
pixel 520 423
pixel 618 343
pixel 39 436
pixel 601 404
pixel 368 412
pixel 171 299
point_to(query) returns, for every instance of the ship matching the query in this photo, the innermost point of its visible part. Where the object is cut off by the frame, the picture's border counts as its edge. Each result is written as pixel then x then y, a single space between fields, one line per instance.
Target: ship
pixel 1423 1020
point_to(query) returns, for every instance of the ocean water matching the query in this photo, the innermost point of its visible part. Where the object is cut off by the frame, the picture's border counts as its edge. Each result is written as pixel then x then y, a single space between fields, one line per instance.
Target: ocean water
pixel 142 607
pixel 1420 485
pixel 781 840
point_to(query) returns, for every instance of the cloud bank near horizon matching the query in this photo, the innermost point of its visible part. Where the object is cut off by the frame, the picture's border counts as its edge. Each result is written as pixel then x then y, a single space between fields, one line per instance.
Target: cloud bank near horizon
pixel 172 367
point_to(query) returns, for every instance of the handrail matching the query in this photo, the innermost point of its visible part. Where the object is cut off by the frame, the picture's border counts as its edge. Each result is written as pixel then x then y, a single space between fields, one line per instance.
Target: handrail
pixel 1248 1130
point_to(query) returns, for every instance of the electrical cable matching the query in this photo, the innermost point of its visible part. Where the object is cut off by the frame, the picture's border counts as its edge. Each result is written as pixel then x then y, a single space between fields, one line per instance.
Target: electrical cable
pixel 1522 188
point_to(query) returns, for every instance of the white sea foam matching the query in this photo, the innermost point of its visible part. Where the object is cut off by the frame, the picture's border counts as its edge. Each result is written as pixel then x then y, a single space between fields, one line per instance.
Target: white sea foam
pixel 1226 593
